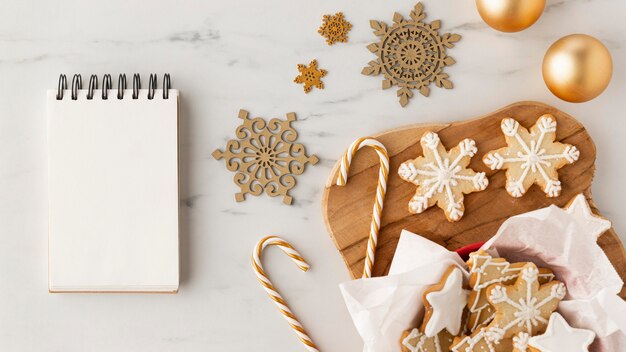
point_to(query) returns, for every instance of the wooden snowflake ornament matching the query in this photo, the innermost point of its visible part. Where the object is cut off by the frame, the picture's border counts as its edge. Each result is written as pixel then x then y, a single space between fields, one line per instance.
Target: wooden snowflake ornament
pixel 335 28
pixel 411 54
pixel 531 157
pixel 310 76
pixel 265 157
pixel 442 177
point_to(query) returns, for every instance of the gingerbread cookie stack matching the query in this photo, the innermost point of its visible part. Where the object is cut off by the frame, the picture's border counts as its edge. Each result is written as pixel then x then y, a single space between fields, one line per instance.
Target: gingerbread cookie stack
pixel 502 307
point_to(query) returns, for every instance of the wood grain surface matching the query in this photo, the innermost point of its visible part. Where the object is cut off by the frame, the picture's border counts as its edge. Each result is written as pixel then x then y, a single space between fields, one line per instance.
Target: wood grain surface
pixel 347 210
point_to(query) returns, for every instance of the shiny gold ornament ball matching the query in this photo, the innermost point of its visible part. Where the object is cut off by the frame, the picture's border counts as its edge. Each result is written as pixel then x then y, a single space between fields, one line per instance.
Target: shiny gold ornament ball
pixel 510 15
pixel 577 68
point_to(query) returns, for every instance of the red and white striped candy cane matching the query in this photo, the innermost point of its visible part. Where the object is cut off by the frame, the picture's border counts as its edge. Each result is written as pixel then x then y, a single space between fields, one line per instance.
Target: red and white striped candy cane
pixel 271 290
pixel 381 189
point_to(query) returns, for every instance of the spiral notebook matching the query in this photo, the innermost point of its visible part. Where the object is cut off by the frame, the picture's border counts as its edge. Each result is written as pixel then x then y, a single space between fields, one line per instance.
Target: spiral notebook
pixel 113 186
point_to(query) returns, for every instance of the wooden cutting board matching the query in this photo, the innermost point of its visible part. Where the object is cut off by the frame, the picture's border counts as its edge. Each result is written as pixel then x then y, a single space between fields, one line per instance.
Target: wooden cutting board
pixel 347 210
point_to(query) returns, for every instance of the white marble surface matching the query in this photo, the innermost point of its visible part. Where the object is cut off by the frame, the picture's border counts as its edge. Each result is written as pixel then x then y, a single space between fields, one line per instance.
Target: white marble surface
pixel 223 56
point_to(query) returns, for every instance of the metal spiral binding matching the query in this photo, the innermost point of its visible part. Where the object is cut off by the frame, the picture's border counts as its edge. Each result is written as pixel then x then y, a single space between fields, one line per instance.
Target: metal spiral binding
pixel 167 85
pixel 93 85
pixel 77 84
pixel 136 85
pixel 121 86
pixel 106 85
pixel 152 85
pixel 61 87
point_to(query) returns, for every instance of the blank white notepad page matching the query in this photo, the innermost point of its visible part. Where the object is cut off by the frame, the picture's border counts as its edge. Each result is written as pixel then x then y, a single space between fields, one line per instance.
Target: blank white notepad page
pixel 113 192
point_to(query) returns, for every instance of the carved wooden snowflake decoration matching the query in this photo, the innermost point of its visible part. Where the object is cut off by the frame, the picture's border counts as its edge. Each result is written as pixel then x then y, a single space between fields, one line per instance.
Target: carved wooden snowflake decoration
pixel 442 177
pixel 411 54
pixel 335 28
pixel 523 307
pixel 531 157
pixel 265 157
pixel 310 76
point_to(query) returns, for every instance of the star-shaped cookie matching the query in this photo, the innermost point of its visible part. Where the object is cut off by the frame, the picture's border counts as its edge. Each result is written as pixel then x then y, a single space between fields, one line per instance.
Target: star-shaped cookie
pixel 560 336
pixel 442 177
pixel 531 157
pixel 586 219
pixel 444 304
pixel 524 306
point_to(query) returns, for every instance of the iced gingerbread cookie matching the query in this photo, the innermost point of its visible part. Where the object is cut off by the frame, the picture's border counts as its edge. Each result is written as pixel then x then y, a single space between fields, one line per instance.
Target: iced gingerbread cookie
pixel 524 306
pixel 478 342
pixel 531 157
pixel 444 304
pixel 560 336
pixel 442 177
pixel 520 342
pixel 484 271
pixel 416 341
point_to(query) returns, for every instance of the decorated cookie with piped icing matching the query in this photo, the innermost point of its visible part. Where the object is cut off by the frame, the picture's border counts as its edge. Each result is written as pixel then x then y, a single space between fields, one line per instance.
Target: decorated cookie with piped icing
pixel 442 177
pixel 478 342
pixel 560 336
pixel 486 270
pixel 531 156
pixel 524 306
pixel 415 341
pixel 445 303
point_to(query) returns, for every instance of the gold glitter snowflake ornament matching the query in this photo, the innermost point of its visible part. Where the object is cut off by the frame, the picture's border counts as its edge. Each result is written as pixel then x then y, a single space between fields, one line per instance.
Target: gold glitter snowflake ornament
pixel 335 28
pixel 310 76
pixel 411 54
pixel 265 157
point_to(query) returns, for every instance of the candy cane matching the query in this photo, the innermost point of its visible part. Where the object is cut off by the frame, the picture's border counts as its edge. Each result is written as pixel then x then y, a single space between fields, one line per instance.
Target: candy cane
pixel 271 291
pixel 383 174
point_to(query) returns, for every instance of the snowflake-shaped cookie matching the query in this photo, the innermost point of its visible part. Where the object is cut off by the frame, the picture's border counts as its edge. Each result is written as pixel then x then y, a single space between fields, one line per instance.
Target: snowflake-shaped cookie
pixel 523 307
pixel 310 76
pixel 265 157
pixel 520 342
pixel 486 270
pixel 442 177
pixel 411 54
pixel 415 341
pixel 531 157
pixel 335 28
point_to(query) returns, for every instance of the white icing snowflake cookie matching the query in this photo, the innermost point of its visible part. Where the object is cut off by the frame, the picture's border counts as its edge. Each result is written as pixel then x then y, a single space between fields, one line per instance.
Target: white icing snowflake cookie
pixel 560 336
pixel 531 157
pixel 442 177
pixel 520 342
pixel 524 306
pixel 444 304
pixel 415 341
pixel 485 271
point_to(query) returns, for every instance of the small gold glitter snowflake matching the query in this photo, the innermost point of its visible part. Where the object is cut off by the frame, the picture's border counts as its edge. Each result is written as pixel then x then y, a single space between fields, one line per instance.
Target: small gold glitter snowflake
pixel 411 54
pixel 310 76
pixel 265 157
pixel 335 28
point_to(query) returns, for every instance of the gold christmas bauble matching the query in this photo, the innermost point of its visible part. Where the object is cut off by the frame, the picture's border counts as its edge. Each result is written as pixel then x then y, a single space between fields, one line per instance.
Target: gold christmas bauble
pixel 510 15
pixel 577 68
